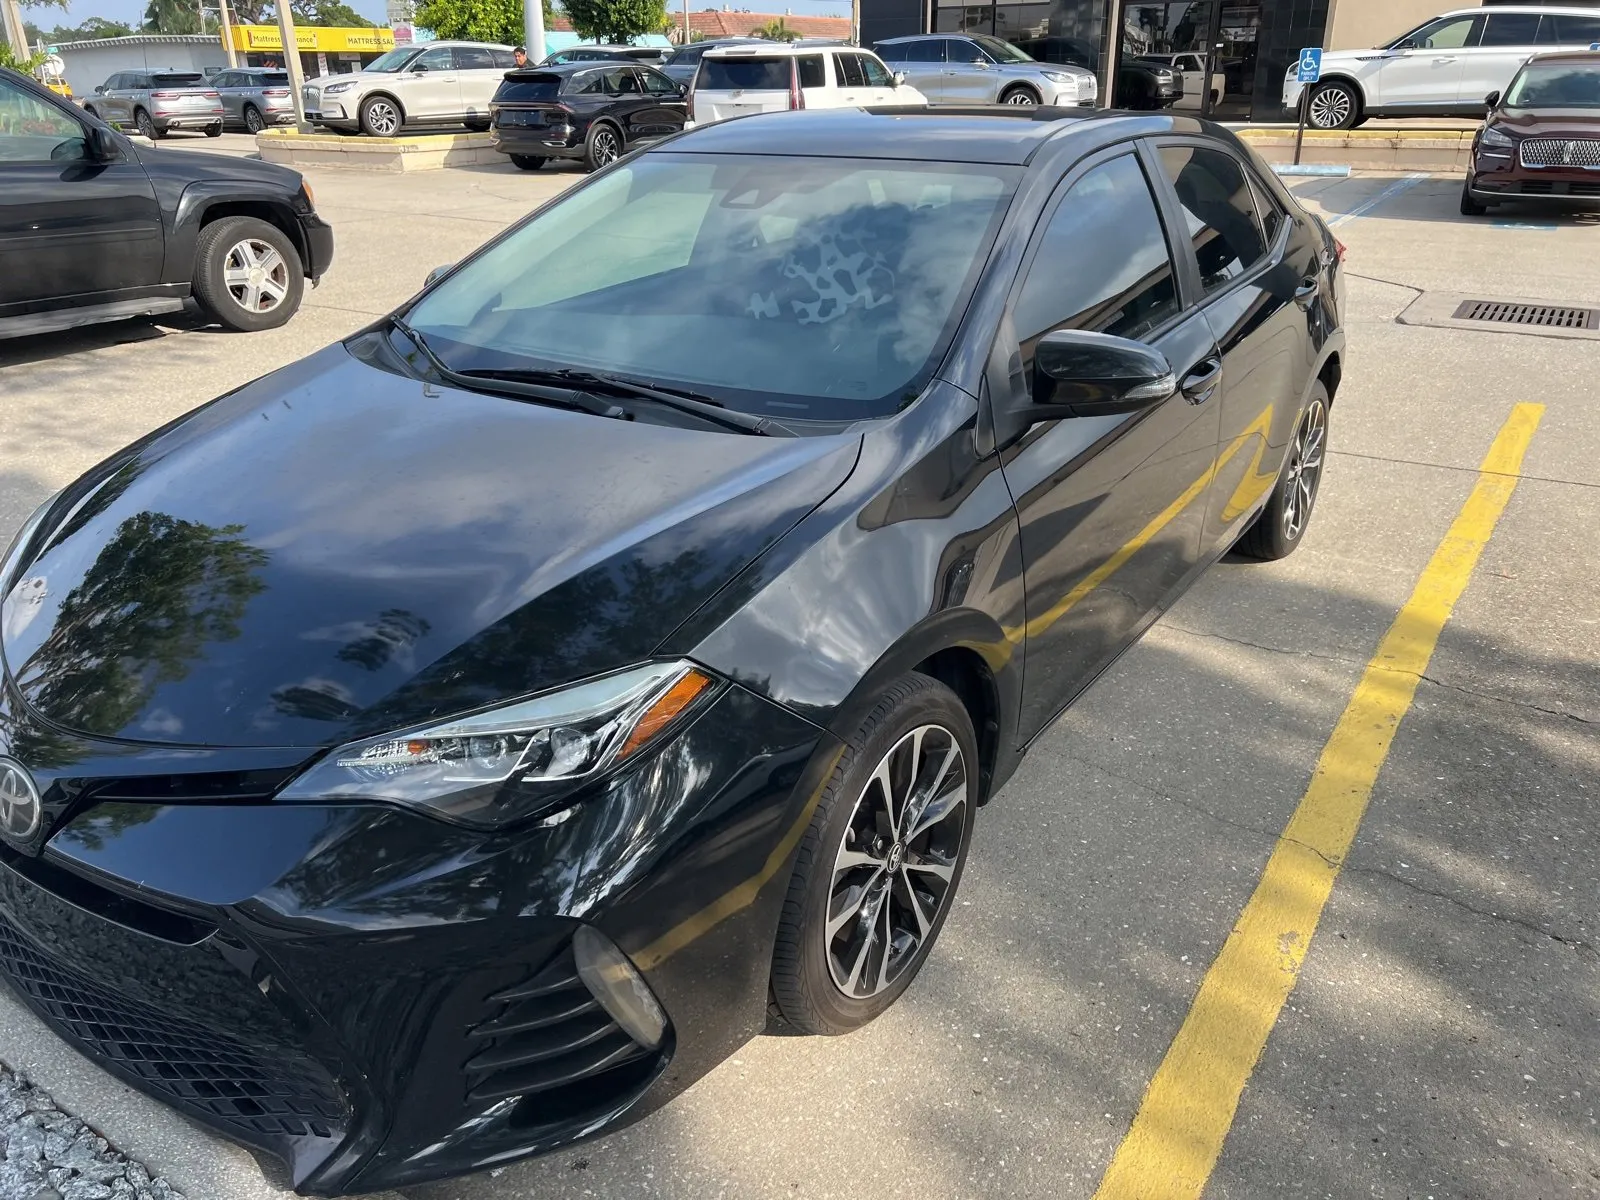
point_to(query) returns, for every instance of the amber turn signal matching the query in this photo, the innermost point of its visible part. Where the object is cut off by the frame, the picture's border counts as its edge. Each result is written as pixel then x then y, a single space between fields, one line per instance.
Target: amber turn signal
pixel 672 702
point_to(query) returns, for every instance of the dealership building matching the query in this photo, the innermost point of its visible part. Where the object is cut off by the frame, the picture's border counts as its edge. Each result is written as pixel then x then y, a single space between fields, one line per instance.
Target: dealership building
pixel 1250 44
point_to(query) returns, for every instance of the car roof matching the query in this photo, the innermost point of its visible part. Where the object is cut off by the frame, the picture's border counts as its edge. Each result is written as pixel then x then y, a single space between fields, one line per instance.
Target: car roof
pixel 776 49
pixel 1566 9
pixel 995 134
pixel 1589 58
pixel 917 37
pixel 572 68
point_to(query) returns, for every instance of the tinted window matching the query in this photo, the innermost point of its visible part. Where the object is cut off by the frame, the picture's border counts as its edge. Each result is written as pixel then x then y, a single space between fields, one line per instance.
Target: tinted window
pixel 812 73
pixel 1219 210
pixel 1510 29
pixel 1271 215
pixel 504 59
pixel 850 72
pixel 928 50
pixel 223 79
pixel 1102 262
pixel 894 53
pixel 178 79
pixel 474 58
pixel 272 77
pixel 657 84
pixel 687 54
pixel 437 59
pixel 526 88
pixel 1451 33
pixel 587 83
pixel 959 50
pixel 621 81
pixel 877 74
pixel 1574 31
pixel 749 74
pixel 33 130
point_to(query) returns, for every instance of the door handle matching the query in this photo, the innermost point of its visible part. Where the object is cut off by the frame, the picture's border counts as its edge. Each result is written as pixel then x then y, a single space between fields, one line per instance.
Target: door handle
pixel 1447 58
pixel 1308 291
pixel 1200 383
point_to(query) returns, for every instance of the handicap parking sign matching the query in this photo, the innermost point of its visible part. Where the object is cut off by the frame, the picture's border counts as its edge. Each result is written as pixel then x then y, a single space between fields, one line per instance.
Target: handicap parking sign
pixel 1310 64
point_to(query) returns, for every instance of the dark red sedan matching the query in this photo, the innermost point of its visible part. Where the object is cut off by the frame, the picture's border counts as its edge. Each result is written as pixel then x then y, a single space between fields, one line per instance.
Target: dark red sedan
pixel 1541 139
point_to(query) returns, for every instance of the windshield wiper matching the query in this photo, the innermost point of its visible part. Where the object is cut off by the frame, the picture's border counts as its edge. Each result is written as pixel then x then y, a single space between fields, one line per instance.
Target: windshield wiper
pixel 669 397
pixel 513 383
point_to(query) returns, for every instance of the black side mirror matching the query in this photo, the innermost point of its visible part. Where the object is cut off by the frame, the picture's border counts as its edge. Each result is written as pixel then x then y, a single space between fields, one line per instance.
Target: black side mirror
pixel 683 89
pixel 1081 374
pixel 421 68
pixel 436 274
pixel 1491 100
pixel 102 144
pixel 100 89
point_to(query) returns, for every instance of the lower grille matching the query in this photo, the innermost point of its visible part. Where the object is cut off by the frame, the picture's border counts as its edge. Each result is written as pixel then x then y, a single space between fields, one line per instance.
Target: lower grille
pixel 190 1066
pixel 1555 187
pixel 1561 152
pixel 1549 316
pixel 550 1035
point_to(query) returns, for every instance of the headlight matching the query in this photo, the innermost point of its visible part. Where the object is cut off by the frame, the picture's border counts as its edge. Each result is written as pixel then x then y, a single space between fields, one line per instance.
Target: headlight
pixel 335 88
pixel 1493 137
pixel 1058 77
pixel 514 761
pixel 12 562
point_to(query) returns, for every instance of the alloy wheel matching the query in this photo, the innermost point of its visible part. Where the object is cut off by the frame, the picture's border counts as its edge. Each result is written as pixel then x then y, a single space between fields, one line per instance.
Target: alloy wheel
pixel 1305 469
pixel 256 275
pixel 606 150
pixel 1021 96
pixel 383 118
pixel 253 121
pixel 145 125
pixel 1330 108
pixel 893 871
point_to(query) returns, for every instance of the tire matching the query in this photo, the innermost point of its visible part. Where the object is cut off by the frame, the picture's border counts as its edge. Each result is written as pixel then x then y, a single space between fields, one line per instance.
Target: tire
pixel 214 130
pixel 1334 105
pixel 237 302
pixel 1469 206
pixel 253 120
pixel 1283 522
pixel 147 127
pixel 381 117
pixel 833 984
pixel 603 145
pixel 476 126
pixel 1020 95
pixel 528 162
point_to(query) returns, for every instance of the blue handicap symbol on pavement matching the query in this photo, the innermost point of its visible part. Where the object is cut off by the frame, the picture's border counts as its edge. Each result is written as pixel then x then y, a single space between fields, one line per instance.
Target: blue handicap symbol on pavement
pixel 1310 64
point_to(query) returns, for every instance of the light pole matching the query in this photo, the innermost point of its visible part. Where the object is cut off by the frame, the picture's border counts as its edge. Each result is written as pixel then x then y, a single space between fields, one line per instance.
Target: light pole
pixel 1113 55
pixel 291 62
pixel 227 33
pixel 533 29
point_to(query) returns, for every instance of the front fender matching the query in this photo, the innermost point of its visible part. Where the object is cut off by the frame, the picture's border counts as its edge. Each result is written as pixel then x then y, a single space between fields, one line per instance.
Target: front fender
pixel 203 198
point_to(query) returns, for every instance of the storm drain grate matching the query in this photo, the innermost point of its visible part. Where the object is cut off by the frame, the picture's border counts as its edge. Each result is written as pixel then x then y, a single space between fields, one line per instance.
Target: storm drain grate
pixel 1547 316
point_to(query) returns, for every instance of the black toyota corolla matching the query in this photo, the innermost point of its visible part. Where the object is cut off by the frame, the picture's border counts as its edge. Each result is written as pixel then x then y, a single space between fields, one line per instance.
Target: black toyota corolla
pixel 456 743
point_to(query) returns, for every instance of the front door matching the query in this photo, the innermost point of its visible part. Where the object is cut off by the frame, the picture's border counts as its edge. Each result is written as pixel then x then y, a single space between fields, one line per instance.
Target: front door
pixel 923 64
pixel 1425 71
pixel 970 77
pixel 70 229
pixel 431 87
pixel 1111 507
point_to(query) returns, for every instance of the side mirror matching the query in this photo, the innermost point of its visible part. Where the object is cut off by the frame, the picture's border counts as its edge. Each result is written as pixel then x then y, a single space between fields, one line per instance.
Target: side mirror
pixel 102 144
pixel 899 78
pixel 420 69
pixel 100 89
pixel 683 89
pixel 436 274
pixel 1492 99
pixel 1081 374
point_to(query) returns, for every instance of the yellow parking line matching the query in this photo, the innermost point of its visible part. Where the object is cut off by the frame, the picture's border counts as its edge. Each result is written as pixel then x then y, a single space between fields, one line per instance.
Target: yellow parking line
pixel 1178 1132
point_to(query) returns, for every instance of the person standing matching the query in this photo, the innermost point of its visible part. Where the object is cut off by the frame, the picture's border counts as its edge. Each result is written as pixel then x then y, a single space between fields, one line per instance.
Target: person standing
pixel 521 56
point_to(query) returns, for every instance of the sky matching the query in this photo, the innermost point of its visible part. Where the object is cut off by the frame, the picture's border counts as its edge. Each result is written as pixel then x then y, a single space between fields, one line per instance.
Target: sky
pixel 130 11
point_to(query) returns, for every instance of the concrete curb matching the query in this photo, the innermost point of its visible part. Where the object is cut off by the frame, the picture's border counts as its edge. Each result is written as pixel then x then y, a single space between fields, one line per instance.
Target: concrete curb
pixel 1374 150
pixel 431 152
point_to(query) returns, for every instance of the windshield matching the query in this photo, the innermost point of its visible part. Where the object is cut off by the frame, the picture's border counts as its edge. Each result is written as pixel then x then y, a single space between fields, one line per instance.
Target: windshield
pixel 821 288
pixel 1001 51
pixel 391 60
pixel 1555 87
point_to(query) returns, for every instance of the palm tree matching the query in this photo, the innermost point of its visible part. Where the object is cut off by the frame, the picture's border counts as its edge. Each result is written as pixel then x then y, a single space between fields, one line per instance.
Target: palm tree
pixel 777 31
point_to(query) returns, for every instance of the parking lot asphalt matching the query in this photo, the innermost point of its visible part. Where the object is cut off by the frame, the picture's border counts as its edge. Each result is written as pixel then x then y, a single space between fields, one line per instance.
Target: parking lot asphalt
pixel 1441 1037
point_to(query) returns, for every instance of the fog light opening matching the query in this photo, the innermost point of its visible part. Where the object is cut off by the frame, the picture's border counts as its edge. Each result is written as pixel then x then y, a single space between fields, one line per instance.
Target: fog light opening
pixel 617 985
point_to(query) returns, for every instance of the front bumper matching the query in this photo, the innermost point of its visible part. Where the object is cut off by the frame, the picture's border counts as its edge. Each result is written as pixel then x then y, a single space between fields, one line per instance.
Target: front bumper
pixel 367 997
pixel 318 235
pixel 1501 176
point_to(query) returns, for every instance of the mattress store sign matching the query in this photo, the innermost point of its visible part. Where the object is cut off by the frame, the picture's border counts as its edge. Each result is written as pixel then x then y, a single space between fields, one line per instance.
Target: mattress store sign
pixel 315 38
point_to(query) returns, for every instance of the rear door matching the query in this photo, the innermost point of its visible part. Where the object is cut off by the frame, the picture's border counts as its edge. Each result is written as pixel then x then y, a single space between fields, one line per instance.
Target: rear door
pixel 1572 32
pixel 851 80
pixel 72 231
pixel 430 88
pixel 479 77
pixel 1508 39
pixel 665 109
pixel 118 105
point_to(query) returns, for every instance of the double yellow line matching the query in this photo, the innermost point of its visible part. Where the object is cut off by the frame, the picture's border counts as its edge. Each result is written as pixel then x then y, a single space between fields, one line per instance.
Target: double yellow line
pixel 1173 1144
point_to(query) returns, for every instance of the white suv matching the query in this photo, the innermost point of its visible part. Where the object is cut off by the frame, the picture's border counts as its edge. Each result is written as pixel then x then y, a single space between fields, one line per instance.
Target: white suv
pixel 1443 68
pixel 437 83
pixel 735 81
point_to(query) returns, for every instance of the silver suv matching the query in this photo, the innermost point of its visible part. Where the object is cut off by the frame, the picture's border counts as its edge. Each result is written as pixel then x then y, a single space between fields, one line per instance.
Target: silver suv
pixel 438 83
pixel 154 102
pixel 960 68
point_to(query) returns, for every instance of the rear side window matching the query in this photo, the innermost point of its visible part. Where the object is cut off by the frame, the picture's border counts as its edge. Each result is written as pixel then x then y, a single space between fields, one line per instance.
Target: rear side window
pixel 744 74
pixel 812 73
pixel 1573 31
pixel 1271 215
pixel 474 58
pixel 850 72
pixel 1102 264
pixel 177 79
pixel 1511 29
pixel 1219 211
pixel 503 59
pixel 529 88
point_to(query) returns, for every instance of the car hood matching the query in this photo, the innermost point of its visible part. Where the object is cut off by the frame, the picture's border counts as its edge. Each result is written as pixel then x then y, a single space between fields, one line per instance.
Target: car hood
pixel 194 165
pixel 1550 122
pixel 335 550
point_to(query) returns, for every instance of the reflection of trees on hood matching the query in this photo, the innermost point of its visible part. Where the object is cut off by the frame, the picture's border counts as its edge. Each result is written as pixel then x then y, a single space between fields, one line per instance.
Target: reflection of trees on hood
pixel 107 821
pixel 157 594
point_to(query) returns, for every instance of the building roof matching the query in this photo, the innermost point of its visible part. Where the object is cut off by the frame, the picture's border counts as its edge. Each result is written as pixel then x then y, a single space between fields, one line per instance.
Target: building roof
pixel 718 24
pixel 148 39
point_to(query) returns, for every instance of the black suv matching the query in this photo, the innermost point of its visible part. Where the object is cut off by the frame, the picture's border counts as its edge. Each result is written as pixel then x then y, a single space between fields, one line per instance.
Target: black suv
pixel 94 228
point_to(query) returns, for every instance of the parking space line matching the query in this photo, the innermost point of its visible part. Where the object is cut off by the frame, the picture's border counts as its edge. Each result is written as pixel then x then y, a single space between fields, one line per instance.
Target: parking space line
pixel 1178 1132
pixel 1388 193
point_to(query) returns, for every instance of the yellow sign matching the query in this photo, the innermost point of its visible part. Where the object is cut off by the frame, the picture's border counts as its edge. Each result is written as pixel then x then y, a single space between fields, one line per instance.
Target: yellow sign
pixel 314 38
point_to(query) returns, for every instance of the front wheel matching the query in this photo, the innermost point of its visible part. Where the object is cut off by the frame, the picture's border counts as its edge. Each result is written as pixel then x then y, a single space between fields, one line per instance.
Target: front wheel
pixel 1334 105
pixel 247 274
pixel 1282 523
pixel 380 117
pixel 1020 95
pixel 528 162
pixel 877 871
pixel 1469 206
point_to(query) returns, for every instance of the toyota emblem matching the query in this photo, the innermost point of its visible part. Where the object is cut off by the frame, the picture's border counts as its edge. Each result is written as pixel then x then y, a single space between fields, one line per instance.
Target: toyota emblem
pixel 20 809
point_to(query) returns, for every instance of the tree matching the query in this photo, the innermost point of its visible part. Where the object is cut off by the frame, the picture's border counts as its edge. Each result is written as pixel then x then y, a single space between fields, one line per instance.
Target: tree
pixel 777 30
pixel 172 16
pixel 476 20
pixel 615 20
pixel 93 28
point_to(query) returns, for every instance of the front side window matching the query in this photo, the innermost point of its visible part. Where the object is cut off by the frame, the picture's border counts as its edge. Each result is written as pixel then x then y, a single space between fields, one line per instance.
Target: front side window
pixel 1511 29
pixel 391 61
pixel 812 72
pixel 1000 50
pixel 1219 211
pixel 808 288
pixel 930 50
pixel 850 72
pixel 223 79
pixel 1102 263
pixel 877 74
pixel 1448 33
pixel 34 131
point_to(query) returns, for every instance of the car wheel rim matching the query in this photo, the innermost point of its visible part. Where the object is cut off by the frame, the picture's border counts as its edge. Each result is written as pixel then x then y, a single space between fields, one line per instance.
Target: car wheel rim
pixel 1330 108
pixel 895 869
pixel 252 121
pixel 383 119
pixel 605 148
pixel 145 125
pixel 256 276
pixel 1305 469
pixel 1020 98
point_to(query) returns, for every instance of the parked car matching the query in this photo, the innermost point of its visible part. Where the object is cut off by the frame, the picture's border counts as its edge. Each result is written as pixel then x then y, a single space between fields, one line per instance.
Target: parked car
pixel 979 69
pixel 1442 68
pixel 592 111
pixel 1140 85
pixel 157 102
pixel 1198 83
pixel 94 228
pixel 437 83
pixel 254 97
pixel 447 747
pixel 1541 139
pixel 684 61
pixel 736 81
pixel 645 54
